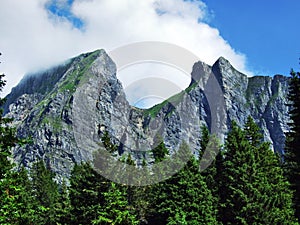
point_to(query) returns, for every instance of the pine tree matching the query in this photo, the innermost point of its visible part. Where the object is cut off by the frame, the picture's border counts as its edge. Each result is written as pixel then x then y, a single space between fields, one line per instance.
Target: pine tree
pixel 108 145
pixel 160 152
pixel 205 135
pixel 253 133
pixel 115 209
pixel 140 202
pixel 86 193
pixel 211 144
pixel 292 149
pixel 254 190
pixel 45 191
pixel 96 200
pixel 27 209
pixel 8 137
pixel 63 211
pixel 14 207
pixel 17 204
pixel 184 197
pixel 277 198
pixel 137 196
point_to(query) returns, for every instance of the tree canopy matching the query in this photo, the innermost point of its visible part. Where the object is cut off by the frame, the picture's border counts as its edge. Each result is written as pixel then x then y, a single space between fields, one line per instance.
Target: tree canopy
pixel 292 148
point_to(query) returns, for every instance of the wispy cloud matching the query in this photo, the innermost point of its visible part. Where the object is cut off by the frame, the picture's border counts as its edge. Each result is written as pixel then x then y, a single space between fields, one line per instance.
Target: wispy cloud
pixel 37 34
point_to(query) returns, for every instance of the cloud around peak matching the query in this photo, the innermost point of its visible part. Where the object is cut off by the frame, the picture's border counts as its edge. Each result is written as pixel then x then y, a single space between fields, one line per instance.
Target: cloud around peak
pixel 38 34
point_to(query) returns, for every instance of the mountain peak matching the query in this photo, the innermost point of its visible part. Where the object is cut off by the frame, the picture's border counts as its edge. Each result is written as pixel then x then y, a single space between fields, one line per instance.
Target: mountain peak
pixel 222 59
pixel 222 63
pixel 67 111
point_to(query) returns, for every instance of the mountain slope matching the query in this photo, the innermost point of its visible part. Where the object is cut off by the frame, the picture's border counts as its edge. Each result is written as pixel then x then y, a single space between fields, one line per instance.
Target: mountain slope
pixel 68 109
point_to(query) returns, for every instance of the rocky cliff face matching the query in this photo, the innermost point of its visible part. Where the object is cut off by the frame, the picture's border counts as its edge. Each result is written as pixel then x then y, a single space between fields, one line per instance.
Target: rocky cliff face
pixel 66 111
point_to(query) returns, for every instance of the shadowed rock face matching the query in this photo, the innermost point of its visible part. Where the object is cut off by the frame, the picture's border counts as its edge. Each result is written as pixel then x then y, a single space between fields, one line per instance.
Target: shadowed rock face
pixel 66 111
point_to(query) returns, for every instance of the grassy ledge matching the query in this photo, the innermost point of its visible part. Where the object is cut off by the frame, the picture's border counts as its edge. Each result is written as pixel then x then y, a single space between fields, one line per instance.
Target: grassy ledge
pixel 174 100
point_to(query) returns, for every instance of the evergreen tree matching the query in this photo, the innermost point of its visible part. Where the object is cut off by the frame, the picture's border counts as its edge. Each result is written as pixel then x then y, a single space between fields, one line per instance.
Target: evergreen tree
pixel 183 199
pixel 28 213
pixel 276 196
pixel 211 144
pixel 129 160
pixel 45 191
pixel 115 209
pixel 292 150
pixel 108 145
pixel 14 207
pixel 63 211
pixel 96 200
pixel 253 133
pixel 254 190
pixel 138 196
pixel 17 204
pixel 129 189
pixel 205 136
pixel 160 151
pixel 86 193
pixel 140 202
pixel 8 138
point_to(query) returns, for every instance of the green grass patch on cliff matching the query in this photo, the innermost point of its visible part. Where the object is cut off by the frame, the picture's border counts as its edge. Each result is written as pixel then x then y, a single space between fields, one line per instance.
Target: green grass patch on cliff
pixel 54 122
pixel 72 80
pixel 173 100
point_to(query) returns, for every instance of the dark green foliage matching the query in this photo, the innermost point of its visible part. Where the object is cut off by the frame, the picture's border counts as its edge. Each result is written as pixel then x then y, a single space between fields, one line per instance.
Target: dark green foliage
pixel 8 138
pixel 86 193
pixel 129 161
pixel 160 152
pixel 292 155
pixel 139 201
pixel 211 145
pixel 108 145
pixel 64 208
pixel 17 203
pixel 254 190
pixel 96 200
pixel 28 201
pixel 45 192
pixel 15 207
pixel 253 133
pixel 204 138
pixel 210 148
pixel 183 199
pixel 115 209
pixel 138 196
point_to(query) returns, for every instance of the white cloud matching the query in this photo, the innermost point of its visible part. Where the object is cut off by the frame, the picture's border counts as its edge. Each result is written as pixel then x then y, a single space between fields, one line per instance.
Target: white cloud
pixel 31 39
pixel 179 8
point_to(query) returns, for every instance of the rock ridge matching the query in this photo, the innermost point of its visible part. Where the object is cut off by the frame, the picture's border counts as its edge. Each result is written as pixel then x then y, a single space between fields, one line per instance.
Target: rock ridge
pixel 67 110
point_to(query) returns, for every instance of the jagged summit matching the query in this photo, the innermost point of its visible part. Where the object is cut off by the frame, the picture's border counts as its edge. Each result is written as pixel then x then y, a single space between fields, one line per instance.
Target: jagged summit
pixel 44 81
pixel 67 110
pixel 223 64
pixel 222 61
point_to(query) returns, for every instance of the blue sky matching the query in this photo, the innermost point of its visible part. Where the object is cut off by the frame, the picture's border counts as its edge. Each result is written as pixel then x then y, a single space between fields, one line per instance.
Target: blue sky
pixel 257 37
pixel 63 9
pixel 267 31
